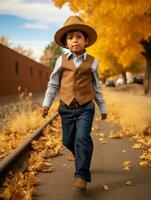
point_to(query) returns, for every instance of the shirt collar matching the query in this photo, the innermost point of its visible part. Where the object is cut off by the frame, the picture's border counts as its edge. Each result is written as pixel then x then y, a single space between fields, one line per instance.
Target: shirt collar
pixel 71 55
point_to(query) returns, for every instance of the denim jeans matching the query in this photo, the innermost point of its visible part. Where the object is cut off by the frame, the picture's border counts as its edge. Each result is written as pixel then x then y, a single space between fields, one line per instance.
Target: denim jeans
pixel 76 127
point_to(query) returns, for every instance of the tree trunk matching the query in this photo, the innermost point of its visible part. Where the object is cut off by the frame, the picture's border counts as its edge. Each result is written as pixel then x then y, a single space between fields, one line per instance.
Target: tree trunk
pixel 124 76
pixel 147 81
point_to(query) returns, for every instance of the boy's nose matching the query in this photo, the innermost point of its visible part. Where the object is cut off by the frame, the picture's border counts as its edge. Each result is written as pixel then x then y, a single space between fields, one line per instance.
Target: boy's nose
pixel 74 39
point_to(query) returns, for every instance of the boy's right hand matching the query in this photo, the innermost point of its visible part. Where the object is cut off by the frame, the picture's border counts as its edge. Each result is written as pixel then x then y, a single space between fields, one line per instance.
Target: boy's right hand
pixel 44 111
pixel 104 116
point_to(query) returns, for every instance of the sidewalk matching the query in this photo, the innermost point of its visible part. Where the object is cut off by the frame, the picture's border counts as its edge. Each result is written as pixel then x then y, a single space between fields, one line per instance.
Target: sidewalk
pixel 106 169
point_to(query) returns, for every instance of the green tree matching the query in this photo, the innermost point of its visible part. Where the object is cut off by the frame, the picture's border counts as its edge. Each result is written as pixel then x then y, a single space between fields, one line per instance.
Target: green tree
pixel 50 55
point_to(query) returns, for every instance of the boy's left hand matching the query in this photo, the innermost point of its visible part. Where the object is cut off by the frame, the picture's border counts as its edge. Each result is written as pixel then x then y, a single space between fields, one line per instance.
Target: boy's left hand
pixel 103 116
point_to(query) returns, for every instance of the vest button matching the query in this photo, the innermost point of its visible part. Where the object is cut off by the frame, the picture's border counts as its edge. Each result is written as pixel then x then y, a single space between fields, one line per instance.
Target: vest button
pixel 76 73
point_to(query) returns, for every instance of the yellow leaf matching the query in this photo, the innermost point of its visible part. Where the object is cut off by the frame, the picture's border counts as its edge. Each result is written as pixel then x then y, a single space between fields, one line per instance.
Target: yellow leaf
pixel 144 164
pixel 105 187
pixel 116 135
pixel 6 194
pixel 45 167
pixel 103 141
pixel 127 165
pixel 129 183
pixel 71 158
pixel 137 146
pixel 101 135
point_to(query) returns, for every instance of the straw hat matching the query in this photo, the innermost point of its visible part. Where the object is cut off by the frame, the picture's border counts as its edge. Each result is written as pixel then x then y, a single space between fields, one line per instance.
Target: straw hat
pixel 75 23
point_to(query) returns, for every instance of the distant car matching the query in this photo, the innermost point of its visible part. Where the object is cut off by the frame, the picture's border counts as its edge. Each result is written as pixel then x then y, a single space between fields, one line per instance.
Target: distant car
pixel 114 81
pixel 119 81
pixel 129 77
pixel 139 79
pixel 110 82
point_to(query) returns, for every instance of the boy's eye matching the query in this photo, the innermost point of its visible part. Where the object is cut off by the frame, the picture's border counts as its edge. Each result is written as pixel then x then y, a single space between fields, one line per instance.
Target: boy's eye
pixel 79 36
pixel 70 37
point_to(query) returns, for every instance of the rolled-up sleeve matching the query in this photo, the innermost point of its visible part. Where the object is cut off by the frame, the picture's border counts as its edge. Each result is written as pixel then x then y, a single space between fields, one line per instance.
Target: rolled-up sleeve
pixel 97 88
pixel 53 84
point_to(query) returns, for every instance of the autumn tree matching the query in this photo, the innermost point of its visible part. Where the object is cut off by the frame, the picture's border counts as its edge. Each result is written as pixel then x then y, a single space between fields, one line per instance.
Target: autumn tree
pixel 51 53
pixel 24 51
pixel 123 28
pixel 20 49
pixel 5 41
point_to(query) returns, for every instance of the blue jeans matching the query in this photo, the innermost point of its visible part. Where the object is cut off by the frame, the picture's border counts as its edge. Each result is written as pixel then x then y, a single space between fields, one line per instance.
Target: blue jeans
pixel 76 126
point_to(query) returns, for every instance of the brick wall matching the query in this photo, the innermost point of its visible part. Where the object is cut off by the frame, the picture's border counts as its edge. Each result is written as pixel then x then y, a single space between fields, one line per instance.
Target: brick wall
pixel 18 70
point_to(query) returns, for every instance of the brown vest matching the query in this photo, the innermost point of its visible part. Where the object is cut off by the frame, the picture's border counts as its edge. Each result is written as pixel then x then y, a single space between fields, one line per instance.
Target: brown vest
pixel 76 82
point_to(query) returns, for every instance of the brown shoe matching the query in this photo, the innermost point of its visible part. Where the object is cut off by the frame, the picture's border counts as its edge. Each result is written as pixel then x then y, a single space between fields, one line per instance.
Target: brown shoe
pixel 80 185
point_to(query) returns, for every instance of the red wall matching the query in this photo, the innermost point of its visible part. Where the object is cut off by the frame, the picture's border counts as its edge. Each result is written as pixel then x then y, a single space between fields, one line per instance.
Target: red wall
pixel 18 70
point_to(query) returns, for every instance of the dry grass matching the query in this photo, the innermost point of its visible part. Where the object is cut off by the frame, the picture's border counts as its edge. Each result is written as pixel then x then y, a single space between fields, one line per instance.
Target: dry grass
pixel 25 118
pixel 134 88
pixel 132 112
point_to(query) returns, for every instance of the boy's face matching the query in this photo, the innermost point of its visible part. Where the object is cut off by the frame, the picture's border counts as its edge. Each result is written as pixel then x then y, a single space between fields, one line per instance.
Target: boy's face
pixel 76 42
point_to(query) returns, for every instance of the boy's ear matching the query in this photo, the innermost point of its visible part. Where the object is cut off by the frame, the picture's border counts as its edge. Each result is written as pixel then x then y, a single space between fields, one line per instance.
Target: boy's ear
pixel 86 41
pixel 65 44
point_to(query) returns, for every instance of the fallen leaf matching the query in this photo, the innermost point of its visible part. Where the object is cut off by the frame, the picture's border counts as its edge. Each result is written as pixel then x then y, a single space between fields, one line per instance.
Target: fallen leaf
pixel 71 158
pixel 146 156
pixel 137 146
pixel 129 183
pixel 101 135
pixel 105 187
pixel 127 165
pixel 44 167
pixel 103 141
pixel 32 179
pixel 144 163
pixel 97 119
pixel 116 135
pixel 6 193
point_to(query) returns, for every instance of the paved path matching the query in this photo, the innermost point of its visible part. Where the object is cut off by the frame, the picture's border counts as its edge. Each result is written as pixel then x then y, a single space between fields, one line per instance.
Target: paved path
pixel 106 169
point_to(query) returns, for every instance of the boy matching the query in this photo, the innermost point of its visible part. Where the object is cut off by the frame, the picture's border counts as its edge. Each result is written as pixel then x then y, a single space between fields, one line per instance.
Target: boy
pixel 75 75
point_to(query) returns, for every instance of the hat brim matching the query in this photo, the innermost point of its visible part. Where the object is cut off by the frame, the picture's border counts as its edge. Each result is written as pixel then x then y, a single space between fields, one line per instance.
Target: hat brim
pixel 92 36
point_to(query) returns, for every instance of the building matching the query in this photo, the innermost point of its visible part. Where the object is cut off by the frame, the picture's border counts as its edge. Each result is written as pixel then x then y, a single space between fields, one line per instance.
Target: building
pixel 19 70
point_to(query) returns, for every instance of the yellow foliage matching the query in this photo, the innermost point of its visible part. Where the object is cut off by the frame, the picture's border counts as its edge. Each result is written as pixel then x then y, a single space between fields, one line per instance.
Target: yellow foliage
pixel 120 26
pixel 22 124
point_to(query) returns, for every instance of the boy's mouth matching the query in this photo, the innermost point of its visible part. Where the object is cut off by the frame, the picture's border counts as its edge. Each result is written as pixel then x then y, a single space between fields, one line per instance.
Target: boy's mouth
pixel 74 46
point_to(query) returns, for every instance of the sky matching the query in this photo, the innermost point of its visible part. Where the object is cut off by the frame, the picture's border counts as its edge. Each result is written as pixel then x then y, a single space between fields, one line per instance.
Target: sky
pixel 31 23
